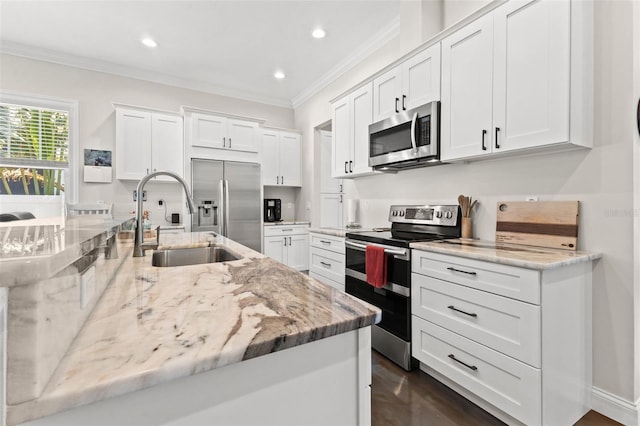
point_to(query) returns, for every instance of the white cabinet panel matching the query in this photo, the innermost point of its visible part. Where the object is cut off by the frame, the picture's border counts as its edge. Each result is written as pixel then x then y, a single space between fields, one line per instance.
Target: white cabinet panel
pixel 411 84
pixel 209 131
pixel 531 74
pixel 274 248
pixel 327 263
pixel 466 91
pixel 352 116
pixel 331 211
pixel 288 244
pixel 298 252
pixel 148 141
pixel 242 135
pixel 328 184
pixel 281 158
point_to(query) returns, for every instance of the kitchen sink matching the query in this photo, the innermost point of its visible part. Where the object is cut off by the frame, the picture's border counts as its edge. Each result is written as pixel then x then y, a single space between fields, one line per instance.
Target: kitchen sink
pixel 192 256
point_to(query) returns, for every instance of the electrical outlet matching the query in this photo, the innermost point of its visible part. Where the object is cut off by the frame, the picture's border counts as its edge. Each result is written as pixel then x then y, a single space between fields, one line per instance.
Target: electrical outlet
pixel 135 195
pixel 160 204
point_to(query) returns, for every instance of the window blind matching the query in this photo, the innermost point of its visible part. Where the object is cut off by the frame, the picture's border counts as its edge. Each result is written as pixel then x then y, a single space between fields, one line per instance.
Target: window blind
pixel 33 137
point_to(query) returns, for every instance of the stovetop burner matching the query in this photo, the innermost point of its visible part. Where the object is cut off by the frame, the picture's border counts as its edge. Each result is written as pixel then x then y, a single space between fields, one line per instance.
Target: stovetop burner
pixel 415 223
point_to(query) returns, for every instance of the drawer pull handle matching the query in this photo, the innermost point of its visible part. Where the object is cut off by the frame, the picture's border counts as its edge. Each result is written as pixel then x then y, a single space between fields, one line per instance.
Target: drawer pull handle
pixel 287 230
pixel 460 270
pixel 325 242
pixel 453 308
pixel 325 264
pixel 470 367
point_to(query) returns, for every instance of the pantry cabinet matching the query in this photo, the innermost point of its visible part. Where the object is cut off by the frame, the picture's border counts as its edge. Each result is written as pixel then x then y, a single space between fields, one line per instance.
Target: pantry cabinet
pixel 288 244
pixel 506 81
pixel 148 141
pixel 514 340
pixel 352 116
pixel 281 158
pixel 211 131
pixel 413 83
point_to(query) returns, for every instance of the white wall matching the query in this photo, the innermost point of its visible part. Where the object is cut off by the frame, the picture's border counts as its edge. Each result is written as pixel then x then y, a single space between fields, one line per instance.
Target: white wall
pixel 601 178
pixel 95 92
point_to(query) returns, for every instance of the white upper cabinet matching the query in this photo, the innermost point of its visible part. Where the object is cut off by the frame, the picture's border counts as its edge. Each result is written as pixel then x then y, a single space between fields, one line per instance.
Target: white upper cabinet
pixel 281 158
pixel 506 81
pixel 328 185
pixel 352 116
pixel 413 83
pixel 531 74
pixel 148 141
pixel 210 131
pixel 465 110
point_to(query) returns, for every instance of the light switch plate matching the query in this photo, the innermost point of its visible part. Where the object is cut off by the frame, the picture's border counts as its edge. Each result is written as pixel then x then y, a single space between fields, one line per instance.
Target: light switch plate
pixel 135 195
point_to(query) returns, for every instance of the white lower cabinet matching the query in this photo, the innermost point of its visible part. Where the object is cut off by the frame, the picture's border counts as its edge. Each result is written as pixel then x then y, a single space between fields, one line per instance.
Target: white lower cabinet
pixel 288 244
pixel 515 341
pixel 326 259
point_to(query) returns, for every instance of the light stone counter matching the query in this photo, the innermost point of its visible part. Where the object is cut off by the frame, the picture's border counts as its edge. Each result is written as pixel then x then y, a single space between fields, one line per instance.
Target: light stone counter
pixel 287 223
pixel 337 232
pixel 153 325
pixel 508 254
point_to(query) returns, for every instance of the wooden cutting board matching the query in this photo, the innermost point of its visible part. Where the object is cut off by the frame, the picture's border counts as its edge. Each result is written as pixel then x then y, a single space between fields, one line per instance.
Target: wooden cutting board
pixel 551 224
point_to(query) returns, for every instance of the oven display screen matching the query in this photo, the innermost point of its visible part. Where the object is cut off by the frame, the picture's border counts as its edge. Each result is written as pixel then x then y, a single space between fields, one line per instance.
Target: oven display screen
pixel 425 214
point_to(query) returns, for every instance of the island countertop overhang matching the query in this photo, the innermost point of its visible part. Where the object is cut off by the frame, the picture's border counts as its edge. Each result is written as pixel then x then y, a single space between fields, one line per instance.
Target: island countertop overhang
pixel 156 324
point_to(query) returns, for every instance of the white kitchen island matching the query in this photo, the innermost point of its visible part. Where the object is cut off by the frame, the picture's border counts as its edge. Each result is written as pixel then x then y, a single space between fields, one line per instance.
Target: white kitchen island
pixel 249 341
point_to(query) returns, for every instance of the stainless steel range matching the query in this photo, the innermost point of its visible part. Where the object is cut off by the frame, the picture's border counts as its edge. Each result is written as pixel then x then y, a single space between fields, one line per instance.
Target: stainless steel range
pixel 392 336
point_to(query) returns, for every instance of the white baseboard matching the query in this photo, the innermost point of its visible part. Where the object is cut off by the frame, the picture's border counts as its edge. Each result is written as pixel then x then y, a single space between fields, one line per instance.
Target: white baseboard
pixel 614 407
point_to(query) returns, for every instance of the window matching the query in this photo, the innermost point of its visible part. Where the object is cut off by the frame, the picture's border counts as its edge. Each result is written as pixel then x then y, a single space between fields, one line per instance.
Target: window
pixel 37 149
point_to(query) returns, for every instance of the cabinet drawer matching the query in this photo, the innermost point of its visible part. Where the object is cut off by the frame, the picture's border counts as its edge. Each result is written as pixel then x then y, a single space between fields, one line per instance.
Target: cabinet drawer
pixel 506 325
pixel 510 385
pixel 327 281
pixel 276 230
pixel 327 264
pixel 510 281
pixel 335 244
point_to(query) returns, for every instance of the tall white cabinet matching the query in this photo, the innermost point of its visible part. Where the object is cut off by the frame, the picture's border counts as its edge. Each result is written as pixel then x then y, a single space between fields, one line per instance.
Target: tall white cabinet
pixel 331 189
pixel 506 80
pixel 147 141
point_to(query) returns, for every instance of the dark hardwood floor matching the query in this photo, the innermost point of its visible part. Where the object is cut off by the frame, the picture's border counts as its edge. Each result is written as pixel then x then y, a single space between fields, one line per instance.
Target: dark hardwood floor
pixel 400 398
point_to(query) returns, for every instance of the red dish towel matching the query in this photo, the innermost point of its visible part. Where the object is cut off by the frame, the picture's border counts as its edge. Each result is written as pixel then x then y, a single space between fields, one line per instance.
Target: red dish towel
pixel 376 266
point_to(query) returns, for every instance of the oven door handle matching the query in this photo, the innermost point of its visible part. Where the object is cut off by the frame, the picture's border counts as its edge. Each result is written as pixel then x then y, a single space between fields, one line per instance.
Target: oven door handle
pixel 363 247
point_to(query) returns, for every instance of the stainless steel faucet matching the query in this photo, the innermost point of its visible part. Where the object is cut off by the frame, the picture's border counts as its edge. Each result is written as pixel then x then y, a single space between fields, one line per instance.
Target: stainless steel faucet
pixel 139 244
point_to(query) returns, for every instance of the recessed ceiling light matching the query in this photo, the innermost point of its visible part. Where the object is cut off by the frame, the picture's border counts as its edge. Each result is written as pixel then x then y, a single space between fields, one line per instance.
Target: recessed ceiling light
pixel 149 42
pixel 318 33
pixel 279 75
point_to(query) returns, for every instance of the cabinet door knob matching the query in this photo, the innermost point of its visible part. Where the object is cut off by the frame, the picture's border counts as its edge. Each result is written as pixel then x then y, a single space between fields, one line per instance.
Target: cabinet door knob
pixel 497 131
pixel 281 180
pixel 229 142
pixel 350 166
pixel 397 100
pixel 404 97
pixel 484 147
pixel 346 163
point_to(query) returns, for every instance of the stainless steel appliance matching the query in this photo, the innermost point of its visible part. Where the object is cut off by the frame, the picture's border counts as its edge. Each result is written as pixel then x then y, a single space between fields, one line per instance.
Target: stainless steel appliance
pixel 409 139
pixel 272 210
pixel 392 336
pixel 227 197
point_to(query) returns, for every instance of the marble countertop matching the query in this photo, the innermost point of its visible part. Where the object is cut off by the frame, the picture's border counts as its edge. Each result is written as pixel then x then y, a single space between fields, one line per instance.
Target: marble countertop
pixel 36 249
pixel 508 254
pixel 337 232
pixel 154 325
pixel 287 223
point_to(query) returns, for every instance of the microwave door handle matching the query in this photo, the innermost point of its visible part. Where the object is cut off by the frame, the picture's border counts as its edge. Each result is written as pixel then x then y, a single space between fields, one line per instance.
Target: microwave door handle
pixel 413 132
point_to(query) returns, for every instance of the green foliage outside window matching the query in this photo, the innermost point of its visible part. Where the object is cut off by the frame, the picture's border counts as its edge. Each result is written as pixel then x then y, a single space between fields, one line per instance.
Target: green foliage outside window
pixel 34 146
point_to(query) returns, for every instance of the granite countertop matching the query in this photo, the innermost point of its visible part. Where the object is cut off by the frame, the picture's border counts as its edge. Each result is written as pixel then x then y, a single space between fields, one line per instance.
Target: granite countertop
pixel 508 254
pixel 154 325
pixel 337 232
pixel 287 223
pixel 36 249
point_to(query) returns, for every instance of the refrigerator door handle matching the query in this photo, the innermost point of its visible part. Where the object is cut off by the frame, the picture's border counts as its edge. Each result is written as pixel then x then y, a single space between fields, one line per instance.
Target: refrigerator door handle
pixel 221 208
pixel 226 208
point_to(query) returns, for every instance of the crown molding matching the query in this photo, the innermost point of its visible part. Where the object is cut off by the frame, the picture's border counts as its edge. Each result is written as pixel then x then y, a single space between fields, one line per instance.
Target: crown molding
pixel 386 34
pixel 31 52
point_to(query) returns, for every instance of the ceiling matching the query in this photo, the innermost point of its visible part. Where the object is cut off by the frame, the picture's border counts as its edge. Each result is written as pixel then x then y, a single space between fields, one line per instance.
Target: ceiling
pixel 230 47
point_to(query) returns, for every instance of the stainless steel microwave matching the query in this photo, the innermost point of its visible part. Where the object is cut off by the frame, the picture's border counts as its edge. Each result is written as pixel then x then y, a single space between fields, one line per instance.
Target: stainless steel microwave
pixel 408 139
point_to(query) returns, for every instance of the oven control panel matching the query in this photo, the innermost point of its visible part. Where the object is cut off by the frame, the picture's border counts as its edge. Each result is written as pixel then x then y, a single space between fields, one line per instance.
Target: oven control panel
pixel 445 215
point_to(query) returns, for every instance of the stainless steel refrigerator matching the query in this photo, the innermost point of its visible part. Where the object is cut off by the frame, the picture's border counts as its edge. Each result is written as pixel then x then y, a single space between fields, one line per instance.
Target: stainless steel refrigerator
pixel 228 200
